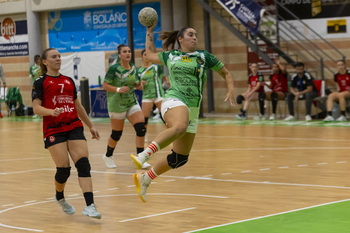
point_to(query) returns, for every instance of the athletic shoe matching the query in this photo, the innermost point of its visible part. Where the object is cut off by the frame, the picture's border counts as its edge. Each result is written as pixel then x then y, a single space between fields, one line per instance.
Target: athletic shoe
pixel 308 118
pixel 260 118
pixel 137 162
pixel 91 211
pixel 341 118
pixel 241 117
pixel 146 165
pixel 141 186
pixel 328 118
pixel 66 207
pixel 289 118
pixel 272 117
pixel 36 117
pixel 109 161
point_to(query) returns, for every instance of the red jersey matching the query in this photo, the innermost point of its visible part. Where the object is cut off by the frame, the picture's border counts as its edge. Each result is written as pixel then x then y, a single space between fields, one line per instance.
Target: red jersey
pixel 57 92
pixel 343 81
pixel 253 81
pixel 279 82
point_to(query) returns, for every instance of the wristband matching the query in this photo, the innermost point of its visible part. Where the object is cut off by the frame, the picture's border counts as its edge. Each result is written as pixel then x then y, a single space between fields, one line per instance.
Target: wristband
pixel 118 89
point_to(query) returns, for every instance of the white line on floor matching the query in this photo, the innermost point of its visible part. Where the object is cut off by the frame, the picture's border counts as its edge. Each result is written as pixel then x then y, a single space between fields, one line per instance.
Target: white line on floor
pixel 29 201
pixel 303 165
pixel 321 163
pixel 283 167
pixel 112 188
pixel 224 174
pixel 264 169
pixel 153 215
pixel 73 195
pixel 7 205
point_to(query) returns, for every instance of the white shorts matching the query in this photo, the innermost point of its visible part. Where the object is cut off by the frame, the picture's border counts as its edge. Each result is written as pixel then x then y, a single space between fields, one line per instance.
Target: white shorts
pixel 123 115
pixel 155 100
pixel 193 113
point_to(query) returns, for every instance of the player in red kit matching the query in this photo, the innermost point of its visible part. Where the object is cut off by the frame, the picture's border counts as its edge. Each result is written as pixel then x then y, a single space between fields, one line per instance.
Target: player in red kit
pixel 255 92
pixel 342 80
pixel 55 99
pixel 278 85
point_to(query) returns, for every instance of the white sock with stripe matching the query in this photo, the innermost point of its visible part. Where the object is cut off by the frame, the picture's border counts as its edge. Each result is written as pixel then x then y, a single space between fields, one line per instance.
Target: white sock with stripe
pixel 150 150
pixel 150 175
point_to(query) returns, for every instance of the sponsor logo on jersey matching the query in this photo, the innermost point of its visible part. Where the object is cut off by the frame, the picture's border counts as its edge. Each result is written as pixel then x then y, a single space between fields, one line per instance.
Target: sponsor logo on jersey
pixel 52 138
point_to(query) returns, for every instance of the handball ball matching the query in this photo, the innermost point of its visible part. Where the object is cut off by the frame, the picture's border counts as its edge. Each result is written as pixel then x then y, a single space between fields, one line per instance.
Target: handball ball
pixel 147 16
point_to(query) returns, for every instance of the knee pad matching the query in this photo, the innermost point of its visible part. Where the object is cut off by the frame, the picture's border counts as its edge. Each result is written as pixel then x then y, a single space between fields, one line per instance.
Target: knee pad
pixel 62 174
pixel 240 99
pixel 115 135
pixel 146 120
pixel 176 160
pixel 262 96
pixel 140 129
pixel 83 167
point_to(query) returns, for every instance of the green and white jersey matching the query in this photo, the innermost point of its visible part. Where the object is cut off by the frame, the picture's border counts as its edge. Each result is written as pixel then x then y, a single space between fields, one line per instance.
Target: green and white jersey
pixel 119 77
pixel 187 74
pixel 34 72
pixel 153 76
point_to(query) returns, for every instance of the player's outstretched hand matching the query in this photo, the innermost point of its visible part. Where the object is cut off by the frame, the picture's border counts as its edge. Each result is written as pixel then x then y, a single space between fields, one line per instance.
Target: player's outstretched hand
pixel 231 96
pixel 94 133
pixel 151 28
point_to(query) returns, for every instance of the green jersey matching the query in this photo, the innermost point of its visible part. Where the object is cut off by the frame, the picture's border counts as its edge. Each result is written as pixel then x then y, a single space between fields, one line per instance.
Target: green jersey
pixel 34 72
pixel 153 76
pixel 119 77
pixel 187 74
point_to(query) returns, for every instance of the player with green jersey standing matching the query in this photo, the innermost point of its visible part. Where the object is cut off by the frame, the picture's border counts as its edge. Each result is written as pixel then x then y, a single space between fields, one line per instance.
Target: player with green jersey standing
pixel 153 92
pixel 180 108
pixel 34 70
pixel 119 82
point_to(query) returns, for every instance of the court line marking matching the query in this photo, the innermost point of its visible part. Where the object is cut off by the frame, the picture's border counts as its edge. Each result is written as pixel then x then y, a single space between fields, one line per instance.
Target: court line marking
pixel 230 149
pixel 275 148
pixel 29 201
pixel 341 162
pixel 153 215
pixel 116 195
pixel 7 205
pixel 266 216
pixel 206 178
pixel 278 138
pixel 34 170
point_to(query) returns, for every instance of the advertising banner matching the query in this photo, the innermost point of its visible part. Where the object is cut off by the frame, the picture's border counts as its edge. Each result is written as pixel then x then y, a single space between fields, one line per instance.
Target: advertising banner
pixel 13 36
pixel 312 9
pixel 98 29
pixel 247 12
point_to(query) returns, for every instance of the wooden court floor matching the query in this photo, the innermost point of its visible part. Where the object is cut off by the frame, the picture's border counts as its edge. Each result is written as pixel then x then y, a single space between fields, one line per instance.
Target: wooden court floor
pixel 235 172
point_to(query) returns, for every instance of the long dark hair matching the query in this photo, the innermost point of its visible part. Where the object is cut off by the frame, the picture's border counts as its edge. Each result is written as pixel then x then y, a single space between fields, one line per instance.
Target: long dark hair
pixel 171 38
pixel 44 57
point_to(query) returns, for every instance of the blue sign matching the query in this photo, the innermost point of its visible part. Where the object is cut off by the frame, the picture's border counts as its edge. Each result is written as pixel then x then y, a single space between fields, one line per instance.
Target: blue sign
pixel 98 29
pixel 99 103
pixel 247 12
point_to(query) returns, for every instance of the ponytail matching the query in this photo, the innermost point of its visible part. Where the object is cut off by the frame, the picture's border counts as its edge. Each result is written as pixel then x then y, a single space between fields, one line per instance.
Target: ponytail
pixel 171 38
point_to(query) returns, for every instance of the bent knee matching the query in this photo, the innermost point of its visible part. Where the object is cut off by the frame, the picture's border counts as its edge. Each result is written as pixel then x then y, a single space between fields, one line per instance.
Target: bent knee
pixel 180 128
